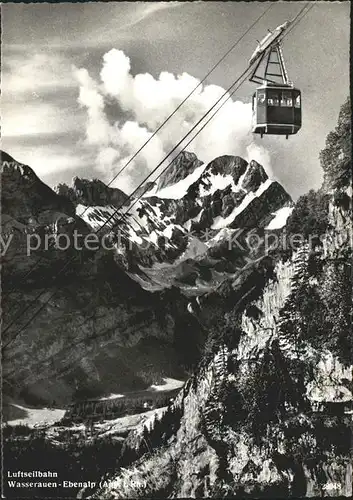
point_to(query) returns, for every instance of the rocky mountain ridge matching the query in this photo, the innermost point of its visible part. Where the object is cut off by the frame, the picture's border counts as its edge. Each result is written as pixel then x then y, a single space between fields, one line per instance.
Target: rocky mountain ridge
pixel 168 236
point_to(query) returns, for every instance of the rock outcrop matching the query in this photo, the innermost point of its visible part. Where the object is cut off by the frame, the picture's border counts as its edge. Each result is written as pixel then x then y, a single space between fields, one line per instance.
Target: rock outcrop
pixel 184 165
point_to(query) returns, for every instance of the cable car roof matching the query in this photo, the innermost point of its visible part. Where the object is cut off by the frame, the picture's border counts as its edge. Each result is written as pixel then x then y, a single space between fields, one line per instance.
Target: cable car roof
pixel 277 86
pixel 268 40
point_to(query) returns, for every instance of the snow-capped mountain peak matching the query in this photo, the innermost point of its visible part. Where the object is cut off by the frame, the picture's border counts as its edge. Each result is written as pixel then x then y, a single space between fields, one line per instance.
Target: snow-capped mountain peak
pixel 177 218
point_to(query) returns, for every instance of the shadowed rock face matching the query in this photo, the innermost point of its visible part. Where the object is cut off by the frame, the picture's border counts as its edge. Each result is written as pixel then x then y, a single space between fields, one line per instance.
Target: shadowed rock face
pixel 99 328
pixel 25 196
pixel 181 167
pixel 95 192
pixel 227 165
pixel 255 176
pixel 229 194
pixel 97 332
pixel 94 336
pixel 258 213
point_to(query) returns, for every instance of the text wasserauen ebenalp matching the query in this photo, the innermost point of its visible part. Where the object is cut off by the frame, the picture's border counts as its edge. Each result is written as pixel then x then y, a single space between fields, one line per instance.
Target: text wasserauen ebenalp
pixel 15 479
pixel 39 479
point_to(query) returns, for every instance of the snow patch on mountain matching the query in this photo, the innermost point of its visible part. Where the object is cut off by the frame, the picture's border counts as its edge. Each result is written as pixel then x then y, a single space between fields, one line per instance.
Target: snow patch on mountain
pixel 211 183
pixel 221 222
pixel 224 234
pixel 178 190
pixel 96 216
pixel 280 218
pixel 124 424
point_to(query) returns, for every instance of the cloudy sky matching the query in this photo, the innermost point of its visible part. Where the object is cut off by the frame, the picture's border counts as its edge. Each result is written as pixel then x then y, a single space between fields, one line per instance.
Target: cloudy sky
pixel 86 84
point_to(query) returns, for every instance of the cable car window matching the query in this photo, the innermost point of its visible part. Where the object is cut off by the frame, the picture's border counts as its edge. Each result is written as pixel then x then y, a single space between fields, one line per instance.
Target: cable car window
pixel 297 100
pixel 261 98
pixel 286 99
pixel 273 101
pixel 272 98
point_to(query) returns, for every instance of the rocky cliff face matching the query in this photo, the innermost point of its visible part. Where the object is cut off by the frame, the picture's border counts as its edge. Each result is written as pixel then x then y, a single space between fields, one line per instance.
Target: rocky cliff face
pixel 269 410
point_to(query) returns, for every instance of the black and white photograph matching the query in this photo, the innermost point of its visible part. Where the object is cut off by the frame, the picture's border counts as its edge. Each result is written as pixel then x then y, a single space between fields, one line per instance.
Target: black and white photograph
pixel 176 250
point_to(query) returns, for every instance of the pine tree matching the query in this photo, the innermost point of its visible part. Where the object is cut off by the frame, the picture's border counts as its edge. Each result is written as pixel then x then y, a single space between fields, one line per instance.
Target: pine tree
pixel 336 159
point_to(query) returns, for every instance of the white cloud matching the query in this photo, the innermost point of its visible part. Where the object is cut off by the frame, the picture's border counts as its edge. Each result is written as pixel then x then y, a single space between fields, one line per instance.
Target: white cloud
pixel 98 129
pixel 31 119
pixel 140 12
pixel 35 73
pixel 47 160
pixel 150 101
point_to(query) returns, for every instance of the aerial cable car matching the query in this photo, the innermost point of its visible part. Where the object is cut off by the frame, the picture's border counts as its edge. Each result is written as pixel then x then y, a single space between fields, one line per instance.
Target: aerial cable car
pixel 276 104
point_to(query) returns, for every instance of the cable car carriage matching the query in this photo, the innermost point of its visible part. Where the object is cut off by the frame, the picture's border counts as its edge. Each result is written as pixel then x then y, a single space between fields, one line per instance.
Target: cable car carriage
pixel 276 104
pixel 276 110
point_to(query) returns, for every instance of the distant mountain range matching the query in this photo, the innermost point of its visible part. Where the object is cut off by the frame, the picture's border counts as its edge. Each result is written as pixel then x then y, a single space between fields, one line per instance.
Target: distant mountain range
pixel 174 239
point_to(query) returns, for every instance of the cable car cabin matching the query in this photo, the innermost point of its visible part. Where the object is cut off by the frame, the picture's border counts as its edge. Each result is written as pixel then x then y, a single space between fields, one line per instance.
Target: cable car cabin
pixel 276 110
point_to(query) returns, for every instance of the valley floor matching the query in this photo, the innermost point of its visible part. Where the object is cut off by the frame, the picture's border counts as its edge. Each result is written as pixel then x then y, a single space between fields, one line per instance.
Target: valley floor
pixel 37 417
pixel 46 417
